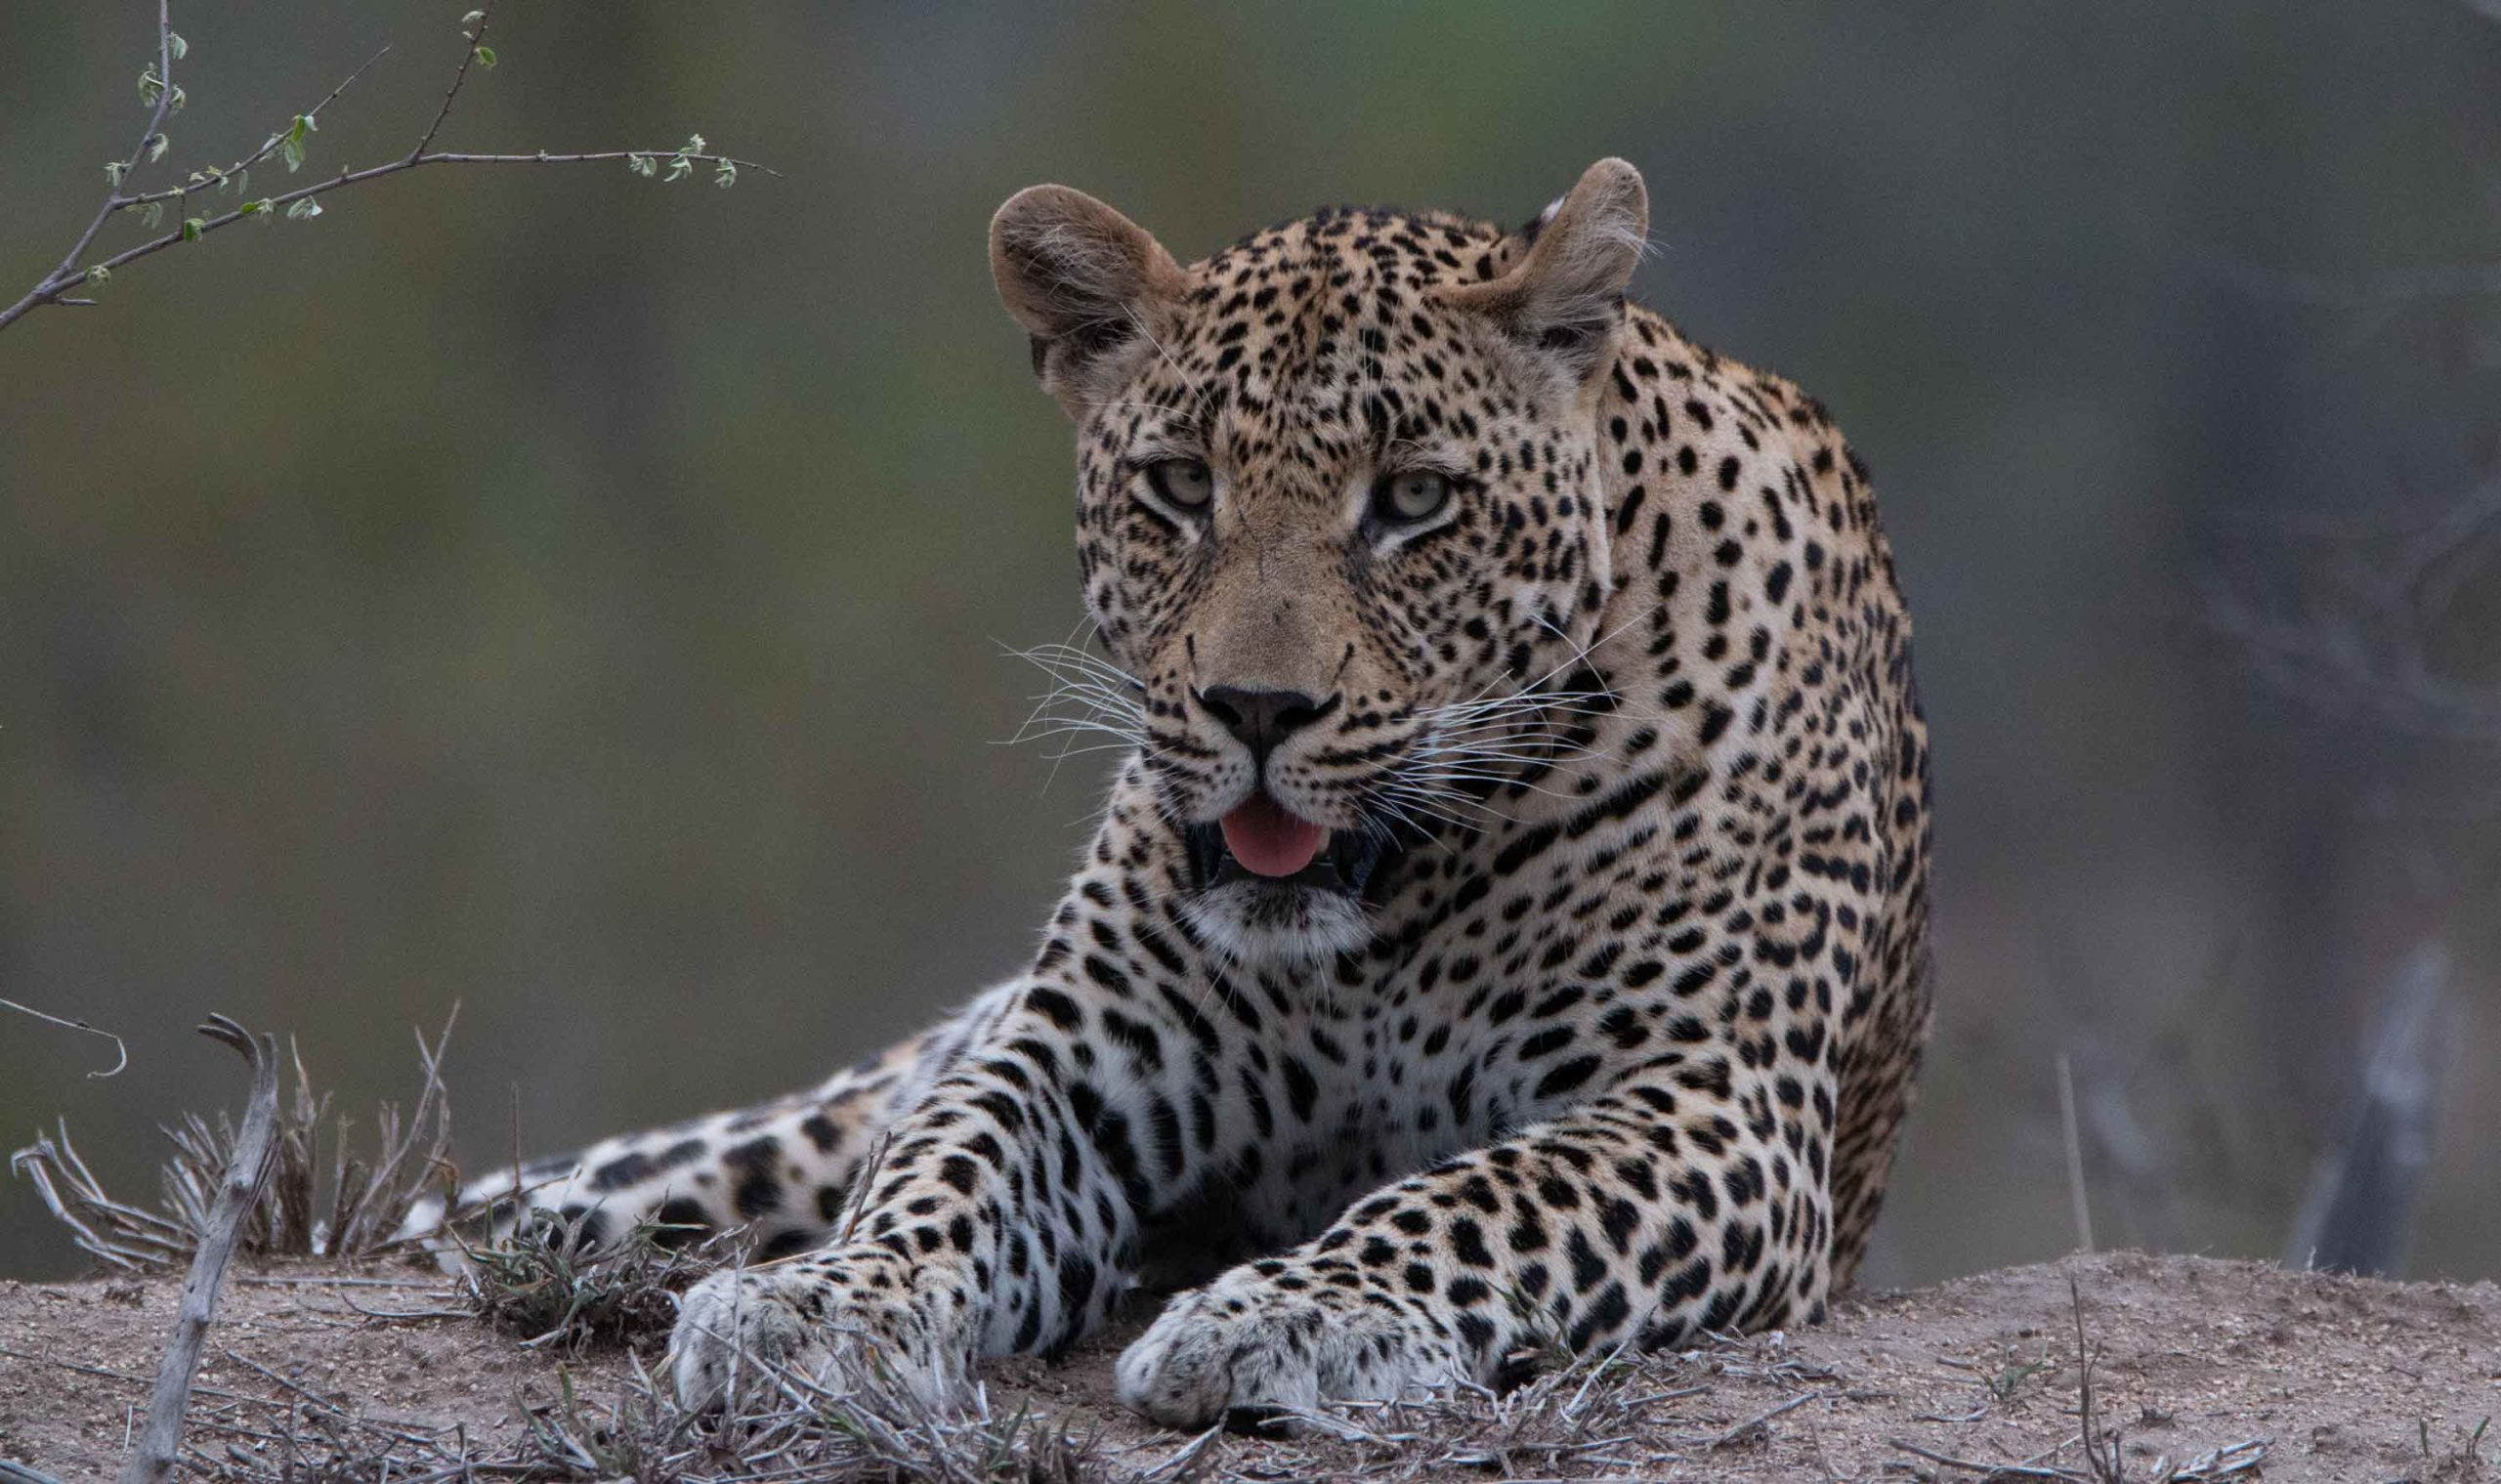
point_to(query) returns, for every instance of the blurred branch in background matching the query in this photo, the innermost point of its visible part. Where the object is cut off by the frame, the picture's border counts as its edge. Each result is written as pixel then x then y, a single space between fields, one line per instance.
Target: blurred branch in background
pixel 2353 634
pixel 2359 1214
pixel 2365 616
pixel 164 97
pixel 2141 1175
pixel 2356 603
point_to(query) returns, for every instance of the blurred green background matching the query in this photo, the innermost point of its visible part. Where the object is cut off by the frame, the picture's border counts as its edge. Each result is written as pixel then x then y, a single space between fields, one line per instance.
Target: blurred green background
pixel 582 598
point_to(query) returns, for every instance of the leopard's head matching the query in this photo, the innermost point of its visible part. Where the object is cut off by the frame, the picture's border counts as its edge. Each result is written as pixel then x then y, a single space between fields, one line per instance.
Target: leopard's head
pixel 1339 517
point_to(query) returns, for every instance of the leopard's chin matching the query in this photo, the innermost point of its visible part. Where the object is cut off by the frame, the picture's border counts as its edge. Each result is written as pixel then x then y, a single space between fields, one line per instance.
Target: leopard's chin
pixel 1254 920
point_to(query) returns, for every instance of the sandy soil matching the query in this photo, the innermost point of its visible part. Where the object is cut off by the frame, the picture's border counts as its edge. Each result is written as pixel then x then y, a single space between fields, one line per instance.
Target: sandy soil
pixel 2341 1380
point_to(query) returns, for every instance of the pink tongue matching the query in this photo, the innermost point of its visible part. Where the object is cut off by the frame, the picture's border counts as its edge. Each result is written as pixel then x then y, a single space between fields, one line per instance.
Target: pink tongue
pixel 1268 841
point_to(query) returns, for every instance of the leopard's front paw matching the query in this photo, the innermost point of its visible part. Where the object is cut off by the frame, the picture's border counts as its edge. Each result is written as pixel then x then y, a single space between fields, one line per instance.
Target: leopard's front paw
pixel 838 1322
pixel 1242 1348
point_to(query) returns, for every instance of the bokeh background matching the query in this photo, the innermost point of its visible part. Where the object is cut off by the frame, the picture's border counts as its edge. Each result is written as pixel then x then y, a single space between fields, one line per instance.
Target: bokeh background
pixel 582 598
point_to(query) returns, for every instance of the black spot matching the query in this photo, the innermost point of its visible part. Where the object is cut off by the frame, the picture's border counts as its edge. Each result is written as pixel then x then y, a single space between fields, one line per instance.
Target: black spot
pixel 1570 1075
pixel 1588 1267
pixel 756 1190
pixel 623 1170
pixel 680 1223
pixel 1061 1010
pixel 1301 1092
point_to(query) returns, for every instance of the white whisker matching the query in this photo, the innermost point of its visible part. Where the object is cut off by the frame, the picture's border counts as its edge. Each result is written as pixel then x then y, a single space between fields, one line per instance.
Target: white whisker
pixel 1088 697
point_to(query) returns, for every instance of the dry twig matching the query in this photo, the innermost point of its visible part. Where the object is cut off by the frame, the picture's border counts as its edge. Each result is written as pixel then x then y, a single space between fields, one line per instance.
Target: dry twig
pixel 121 1053
pixel 237 1193
pixel 2103 1459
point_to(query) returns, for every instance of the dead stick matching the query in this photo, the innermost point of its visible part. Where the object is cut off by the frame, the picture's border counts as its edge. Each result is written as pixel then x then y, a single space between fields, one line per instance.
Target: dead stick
pixel 152 1460
pixel 1761 1420
pixel 1989 1470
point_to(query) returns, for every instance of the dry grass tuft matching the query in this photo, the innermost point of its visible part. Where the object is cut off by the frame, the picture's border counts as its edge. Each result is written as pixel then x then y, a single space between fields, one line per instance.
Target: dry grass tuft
pixel 338 1206
pixel 1590 1417
pixel 547 1285
pixel 874 1431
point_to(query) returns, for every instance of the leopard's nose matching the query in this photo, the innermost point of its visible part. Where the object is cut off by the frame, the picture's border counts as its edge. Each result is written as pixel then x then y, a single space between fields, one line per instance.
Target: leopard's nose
pixel 1261 719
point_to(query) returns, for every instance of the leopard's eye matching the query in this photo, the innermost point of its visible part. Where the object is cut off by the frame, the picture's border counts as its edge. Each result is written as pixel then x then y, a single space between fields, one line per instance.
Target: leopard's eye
pixel 1418 495
pixel 1185 483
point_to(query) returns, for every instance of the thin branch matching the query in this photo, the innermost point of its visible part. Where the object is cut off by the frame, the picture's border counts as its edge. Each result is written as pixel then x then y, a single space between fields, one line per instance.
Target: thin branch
pixel 68 275
pixel 212 178
pixel 152 1460
pixel 272 204
pixel 542 157
pixel 120 1051
pixel 55 281
pixel 477 39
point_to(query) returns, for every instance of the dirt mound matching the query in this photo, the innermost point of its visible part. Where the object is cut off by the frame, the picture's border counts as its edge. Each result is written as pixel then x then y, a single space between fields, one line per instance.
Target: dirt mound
pixel 2205 1368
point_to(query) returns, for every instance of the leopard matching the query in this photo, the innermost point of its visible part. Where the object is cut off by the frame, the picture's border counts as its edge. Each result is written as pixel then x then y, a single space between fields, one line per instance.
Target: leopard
pixel 1506 926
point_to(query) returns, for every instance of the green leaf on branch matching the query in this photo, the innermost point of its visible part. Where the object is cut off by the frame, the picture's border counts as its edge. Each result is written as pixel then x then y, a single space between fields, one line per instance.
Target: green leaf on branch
pixel 190 229
pixel 486 57
pixel 158 144
pixel 155 214
pixel 260 211
pixel 175 42
pixel 679 168
pixel 151 86
pixel 641 164
pixel 307 207
pixel 113 172
pixel 725 174
pixel 98 276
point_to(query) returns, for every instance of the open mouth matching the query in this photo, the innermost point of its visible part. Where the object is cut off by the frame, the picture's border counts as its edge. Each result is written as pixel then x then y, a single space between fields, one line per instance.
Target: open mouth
pixel 1260 841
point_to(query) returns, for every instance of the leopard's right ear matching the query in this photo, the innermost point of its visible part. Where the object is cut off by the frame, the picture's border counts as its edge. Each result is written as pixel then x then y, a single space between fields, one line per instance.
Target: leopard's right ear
pixel 1085 281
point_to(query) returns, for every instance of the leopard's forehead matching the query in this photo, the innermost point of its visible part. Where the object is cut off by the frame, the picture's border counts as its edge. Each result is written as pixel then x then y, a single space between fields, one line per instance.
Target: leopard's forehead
pixel 1366 245
pixel 1318 322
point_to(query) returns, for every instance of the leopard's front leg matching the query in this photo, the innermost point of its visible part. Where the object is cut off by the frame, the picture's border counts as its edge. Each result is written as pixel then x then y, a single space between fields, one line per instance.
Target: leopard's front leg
pixel 1670 1205
pixel 1000 1217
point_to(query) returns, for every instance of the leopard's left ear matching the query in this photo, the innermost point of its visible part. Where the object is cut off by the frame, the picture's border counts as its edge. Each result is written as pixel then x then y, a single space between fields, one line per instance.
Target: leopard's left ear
pixel 1083 281
pixel 1565 297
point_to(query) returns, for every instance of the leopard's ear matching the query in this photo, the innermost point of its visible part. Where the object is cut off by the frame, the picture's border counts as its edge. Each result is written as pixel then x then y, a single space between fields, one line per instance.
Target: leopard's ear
pixel 1564 298
pixel 1085 282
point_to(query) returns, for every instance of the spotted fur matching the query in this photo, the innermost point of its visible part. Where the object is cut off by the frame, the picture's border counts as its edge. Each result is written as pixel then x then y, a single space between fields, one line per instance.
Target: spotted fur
pixel 1614 1044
